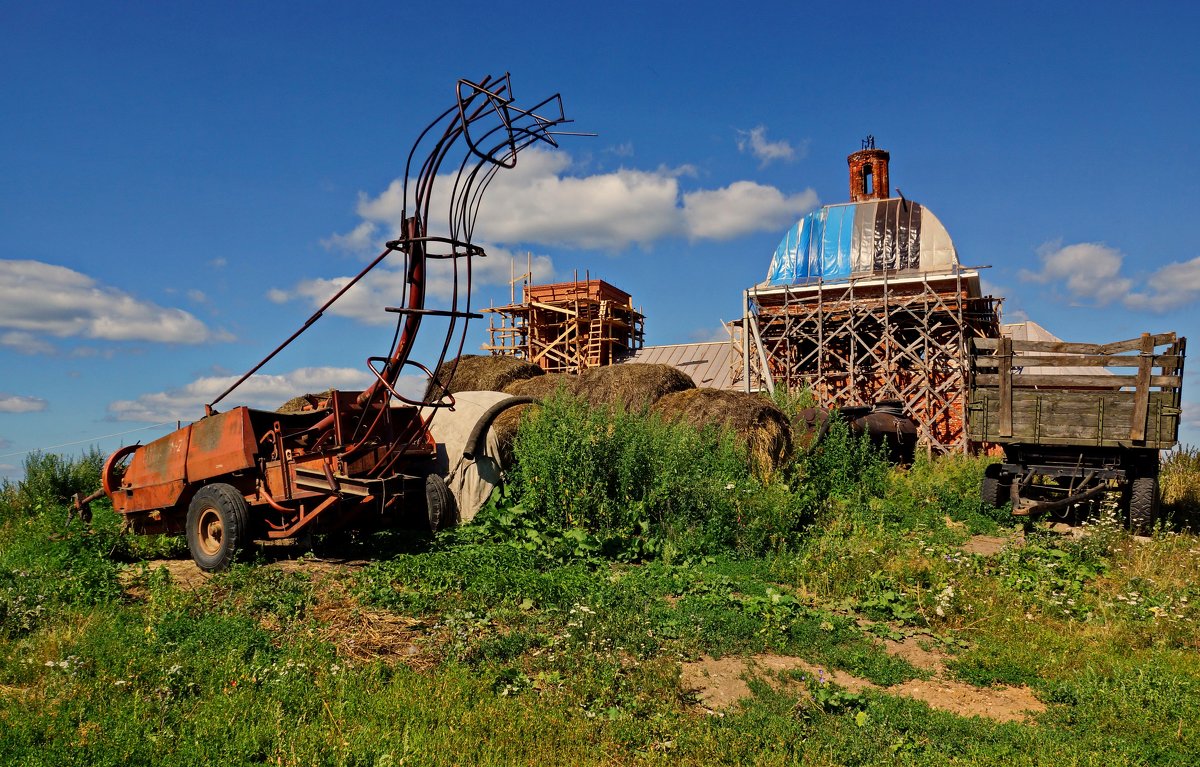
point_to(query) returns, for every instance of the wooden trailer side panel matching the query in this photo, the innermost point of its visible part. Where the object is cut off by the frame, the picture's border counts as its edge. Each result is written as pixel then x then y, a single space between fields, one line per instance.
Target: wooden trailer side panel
pixel 1058 393
pixel 1067 417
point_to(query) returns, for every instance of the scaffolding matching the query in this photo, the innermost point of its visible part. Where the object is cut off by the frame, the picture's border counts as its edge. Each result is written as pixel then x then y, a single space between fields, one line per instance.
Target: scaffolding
pixel 864 340
pixel 567 327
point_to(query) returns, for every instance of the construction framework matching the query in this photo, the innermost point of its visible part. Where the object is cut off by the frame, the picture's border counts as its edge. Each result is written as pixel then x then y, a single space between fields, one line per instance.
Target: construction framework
pixel 860 341
pixel 567 327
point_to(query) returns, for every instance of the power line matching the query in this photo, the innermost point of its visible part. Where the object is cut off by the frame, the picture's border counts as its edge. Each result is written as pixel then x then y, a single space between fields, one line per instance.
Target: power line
pixel 85 441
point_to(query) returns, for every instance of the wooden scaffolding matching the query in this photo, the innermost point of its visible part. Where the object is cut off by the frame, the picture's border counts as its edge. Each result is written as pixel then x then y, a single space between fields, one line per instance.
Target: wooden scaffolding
pixel 859 341
pixel 567 327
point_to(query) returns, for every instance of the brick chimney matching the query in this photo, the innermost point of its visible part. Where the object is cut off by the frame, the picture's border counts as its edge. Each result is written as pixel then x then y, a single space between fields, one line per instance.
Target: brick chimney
pixel 869 172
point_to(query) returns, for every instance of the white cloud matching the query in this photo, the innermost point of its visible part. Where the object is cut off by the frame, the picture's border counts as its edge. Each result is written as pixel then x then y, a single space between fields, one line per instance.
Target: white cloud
pixel 1089 270
pixel 385 286
pixel 755 142
pixel 17 403
pixel 25 343
pixel 5 443
pixel 1172 286
pixel 268 392
pixel 624 149
pixel 360 237
pixel 741 208
pixel 709 335
pixel 539 202
pixel 1092 271
pixel 41 298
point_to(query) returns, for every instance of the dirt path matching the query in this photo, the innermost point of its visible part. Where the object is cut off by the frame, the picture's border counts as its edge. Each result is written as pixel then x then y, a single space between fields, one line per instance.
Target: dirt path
pixel 720 683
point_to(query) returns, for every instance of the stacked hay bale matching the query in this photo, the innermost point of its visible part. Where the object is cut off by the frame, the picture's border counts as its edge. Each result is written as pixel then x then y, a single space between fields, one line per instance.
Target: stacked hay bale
pixel 632 387
pixel 542 386
pixel 474 372
pixel 753 419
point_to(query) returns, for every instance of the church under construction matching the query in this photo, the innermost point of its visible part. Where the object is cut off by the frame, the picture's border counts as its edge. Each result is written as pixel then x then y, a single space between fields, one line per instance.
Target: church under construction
pixel 867 301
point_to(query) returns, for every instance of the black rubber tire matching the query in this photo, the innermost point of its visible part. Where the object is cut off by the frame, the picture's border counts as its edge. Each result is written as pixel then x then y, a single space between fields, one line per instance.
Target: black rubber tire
pixel 217 526
pixel 1143 505
pixel 440 509
pixel 993 492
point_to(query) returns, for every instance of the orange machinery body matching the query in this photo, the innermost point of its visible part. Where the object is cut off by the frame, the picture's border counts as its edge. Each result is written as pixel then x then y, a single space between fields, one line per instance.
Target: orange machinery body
pixel 267 457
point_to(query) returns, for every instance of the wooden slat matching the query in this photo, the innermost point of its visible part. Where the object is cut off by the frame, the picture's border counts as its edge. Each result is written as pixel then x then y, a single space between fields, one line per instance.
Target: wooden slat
pixel 1072 417
pixel 1004 379
pixel 1165 361
pixel 1063 347
pixel 1030 380
pixel 1141 395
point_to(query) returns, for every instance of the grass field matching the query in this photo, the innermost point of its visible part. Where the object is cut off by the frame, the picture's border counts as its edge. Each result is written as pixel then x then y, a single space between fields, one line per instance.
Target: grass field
pixel 636 596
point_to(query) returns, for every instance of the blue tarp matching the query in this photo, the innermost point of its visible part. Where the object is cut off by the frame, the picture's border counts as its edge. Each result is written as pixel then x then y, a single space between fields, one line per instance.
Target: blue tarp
pixel 863 238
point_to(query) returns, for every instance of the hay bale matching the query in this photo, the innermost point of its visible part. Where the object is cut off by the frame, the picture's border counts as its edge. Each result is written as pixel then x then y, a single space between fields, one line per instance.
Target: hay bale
pixel 753 419
pixel 632 386
pixel 305 402
pixel 476 372
pixel 542 386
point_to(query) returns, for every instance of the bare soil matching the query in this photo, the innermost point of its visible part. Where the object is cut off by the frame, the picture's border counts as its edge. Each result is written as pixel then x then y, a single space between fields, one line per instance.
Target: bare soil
pixel 986 545
pixel 719 684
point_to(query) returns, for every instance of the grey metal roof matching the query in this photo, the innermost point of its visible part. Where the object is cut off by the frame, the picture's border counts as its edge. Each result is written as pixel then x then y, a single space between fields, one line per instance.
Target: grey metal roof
pixel 712 365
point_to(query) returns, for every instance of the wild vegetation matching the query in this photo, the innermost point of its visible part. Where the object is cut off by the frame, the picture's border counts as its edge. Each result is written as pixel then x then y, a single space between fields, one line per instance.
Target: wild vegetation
pixel 561 626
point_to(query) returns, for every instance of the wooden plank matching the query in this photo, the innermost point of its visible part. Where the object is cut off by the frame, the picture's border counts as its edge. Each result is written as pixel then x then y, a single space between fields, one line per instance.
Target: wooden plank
pixel 1141 397
pixel 1082 418
pixel 1031 380
pixel 1165 361
pixel 1004 378
pixel 1064 347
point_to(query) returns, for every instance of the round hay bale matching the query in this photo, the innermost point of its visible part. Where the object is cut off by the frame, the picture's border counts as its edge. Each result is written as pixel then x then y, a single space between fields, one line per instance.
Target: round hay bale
pixel 542 386
pixel 631 386
pixel 753 419
pixel 304 403
pixel 476 372
pixel 505 426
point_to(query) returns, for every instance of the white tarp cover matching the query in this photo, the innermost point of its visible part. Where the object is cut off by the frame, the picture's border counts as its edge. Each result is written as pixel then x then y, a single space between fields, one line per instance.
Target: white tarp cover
pixel 470 482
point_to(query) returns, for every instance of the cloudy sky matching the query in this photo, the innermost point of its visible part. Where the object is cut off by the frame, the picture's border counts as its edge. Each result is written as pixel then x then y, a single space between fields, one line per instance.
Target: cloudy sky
pixel 184 183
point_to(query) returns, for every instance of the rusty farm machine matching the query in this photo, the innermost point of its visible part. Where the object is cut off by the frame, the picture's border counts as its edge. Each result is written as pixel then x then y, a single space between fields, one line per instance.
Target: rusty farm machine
pixel 356 459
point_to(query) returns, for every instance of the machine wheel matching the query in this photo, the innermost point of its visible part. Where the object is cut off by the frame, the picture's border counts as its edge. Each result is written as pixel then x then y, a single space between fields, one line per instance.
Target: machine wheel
pixel 993 490
pixel 1143 505
pixel 440 508
pixel 217 526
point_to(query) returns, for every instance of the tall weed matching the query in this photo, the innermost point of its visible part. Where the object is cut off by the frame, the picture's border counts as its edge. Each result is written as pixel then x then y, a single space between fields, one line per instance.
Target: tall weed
pixel 51 480
pixel 1180 483
pixel 632 487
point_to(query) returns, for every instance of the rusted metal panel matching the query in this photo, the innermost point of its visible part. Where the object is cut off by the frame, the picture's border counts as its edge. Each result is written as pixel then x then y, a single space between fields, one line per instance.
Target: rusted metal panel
pixel 156 474
pixel 221 444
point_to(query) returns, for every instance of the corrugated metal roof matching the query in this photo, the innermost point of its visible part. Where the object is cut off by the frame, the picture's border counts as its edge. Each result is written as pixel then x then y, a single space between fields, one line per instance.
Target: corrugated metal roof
pixel 712 365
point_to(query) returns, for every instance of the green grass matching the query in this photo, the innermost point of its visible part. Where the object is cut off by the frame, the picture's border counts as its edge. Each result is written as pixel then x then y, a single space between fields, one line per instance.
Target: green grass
pixel 546 634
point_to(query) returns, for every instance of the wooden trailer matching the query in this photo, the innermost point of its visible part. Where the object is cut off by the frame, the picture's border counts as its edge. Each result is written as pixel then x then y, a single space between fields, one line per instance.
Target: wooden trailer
pixel 1077 422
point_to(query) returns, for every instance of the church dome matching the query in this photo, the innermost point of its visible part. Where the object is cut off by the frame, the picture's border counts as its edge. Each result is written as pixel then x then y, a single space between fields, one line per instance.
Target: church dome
pixel 863 239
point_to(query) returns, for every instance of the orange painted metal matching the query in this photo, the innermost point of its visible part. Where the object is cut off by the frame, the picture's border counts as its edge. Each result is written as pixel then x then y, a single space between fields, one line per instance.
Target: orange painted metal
pixel 221 444
pixel 156 475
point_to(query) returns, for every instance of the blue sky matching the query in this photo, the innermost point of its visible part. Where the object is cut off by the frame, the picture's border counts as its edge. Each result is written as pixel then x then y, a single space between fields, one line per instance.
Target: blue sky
pixel 180 181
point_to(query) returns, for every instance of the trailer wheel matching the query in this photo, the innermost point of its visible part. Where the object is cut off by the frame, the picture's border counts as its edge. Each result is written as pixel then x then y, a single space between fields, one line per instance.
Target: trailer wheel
pixel 217 526
pixel 1143 505
pixel 439 504
pixel 992 492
